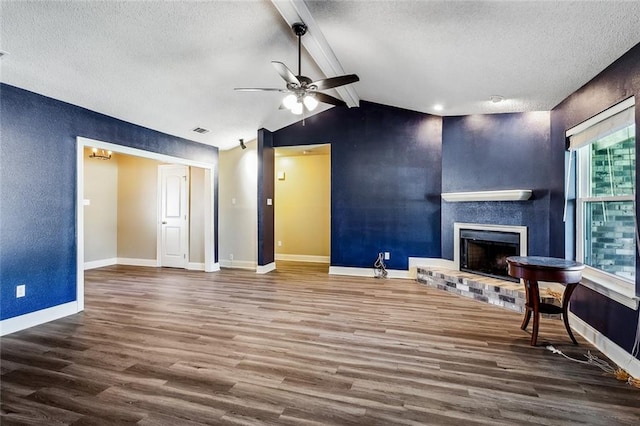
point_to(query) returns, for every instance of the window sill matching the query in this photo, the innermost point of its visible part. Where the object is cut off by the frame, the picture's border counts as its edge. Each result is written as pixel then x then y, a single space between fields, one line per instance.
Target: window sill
pixel 623 294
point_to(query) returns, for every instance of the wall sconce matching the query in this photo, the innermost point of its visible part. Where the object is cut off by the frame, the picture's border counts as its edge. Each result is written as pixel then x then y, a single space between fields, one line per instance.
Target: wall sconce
pixel 100 154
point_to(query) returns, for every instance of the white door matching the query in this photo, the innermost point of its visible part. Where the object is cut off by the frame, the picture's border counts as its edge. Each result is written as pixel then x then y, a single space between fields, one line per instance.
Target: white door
pixel 174 215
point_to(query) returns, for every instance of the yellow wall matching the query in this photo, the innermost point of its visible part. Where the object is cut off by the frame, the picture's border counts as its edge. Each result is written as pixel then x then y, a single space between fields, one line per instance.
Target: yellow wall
pixel 101 215
pixel 303 205
pixel 137 207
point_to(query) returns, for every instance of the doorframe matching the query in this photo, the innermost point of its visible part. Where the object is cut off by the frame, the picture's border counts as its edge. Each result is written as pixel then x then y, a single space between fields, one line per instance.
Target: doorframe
pixel 210 248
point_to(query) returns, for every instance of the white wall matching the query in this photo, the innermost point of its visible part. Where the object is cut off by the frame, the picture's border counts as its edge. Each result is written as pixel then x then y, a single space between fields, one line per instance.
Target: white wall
pixel 238 207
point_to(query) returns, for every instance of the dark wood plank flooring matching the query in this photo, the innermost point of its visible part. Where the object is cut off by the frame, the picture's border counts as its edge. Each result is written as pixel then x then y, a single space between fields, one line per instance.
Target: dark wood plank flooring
pixel 298 347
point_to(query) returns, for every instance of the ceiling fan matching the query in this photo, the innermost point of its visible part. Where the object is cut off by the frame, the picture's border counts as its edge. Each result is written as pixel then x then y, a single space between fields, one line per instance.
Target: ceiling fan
pixel 304 93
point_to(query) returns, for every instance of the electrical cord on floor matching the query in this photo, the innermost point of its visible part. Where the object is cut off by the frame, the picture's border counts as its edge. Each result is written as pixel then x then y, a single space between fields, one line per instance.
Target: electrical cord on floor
pixel 619 373
pixel 380 269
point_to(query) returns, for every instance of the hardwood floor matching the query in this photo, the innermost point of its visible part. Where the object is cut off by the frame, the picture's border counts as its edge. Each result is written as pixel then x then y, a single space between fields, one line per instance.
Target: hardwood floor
pixel 298 347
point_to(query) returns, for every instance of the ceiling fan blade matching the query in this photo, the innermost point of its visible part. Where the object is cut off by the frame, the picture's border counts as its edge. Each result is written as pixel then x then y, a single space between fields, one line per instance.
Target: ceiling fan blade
pixel 331 82
pixel 328 99
pixel 285 73
pixel 259 89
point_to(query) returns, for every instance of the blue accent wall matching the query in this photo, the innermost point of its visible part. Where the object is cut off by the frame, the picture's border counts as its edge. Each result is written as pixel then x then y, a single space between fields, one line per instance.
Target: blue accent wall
pixel 266 189
pixel 38 191
pixel 493 152
pixel 385 181
pixel 617 82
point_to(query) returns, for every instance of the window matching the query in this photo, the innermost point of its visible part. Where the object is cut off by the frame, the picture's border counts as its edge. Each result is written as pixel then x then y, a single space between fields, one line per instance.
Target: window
pixel 605 152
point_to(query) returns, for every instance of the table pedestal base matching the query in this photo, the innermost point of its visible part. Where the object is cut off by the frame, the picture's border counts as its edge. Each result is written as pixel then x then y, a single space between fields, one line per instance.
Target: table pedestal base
pixel 535 307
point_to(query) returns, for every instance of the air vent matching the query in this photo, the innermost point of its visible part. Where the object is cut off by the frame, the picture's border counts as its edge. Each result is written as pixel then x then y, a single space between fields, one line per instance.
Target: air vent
pixel 201 130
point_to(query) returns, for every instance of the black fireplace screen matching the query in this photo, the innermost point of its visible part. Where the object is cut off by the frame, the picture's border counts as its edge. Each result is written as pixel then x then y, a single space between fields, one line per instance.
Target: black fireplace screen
pixel 486 252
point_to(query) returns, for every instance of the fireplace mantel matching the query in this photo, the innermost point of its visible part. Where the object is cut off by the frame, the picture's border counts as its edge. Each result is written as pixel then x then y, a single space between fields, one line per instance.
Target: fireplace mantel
pixel 499 195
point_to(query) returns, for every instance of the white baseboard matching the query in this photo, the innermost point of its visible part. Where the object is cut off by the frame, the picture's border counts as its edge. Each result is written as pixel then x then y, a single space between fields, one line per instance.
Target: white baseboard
pixel 195 266
pixel 367 272
pixel 265 269
pixel 614 352
pixel 238 264
pixel 21 322
pixel 214 268
pixel 302 258
pixel 137 262
pixel 100 263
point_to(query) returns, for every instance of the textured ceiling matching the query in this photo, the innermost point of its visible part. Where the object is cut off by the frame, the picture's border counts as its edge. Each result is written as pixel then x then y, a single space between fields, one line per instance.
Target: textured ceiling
pixel 172 66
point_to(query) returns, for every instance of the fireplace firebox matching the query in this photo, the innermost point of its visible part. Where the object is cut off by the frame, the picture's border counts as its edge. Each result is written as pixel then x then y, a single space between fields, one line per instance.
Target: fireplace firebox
pixel 485 252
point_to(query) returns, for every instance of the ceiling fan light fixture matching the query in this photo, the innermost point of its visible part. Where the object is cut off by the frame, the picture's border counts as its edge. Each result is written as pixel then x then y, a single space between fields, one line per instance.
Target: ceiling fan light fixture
pixel 290 101
pixel 310 102
pixel 297 108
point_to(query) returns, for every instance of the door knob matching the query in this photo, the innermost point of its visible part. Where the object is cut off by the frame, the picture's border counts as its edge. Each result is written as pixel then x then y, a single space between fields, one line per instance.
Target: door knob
pixel 164 222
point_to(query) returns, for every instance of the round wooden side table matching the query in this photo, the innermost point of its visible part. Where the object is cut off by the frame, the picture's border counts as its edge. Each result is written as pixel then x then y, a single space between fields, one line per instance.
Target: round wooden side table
pixel 551 269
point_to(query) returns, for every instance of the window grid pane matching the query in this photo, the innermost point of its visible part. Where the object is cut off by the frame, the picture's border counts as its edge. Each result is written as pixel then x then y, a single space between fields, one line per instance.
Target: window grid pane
pixel 612 164
pixel 608 224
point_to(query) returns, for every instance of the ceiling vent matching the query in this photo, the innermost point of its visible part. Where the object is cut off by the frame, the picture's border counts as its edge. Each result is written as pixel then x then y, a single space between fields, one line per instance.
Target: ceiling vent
pixel 201 130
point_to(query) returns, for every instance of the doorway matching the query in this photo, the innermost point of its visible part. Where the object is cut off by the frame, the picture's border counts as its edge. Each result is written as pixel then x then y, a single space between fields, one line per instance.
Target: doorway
pixel 303 204
pixel 207 185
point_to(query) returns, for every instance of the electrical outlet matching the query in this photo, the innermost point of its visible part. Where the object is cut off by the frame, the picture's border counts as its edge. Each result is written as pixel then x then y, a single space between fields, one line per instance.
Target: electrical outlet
pixel 279 243
pixel 231 256
pixel 21 290
pixel 387 255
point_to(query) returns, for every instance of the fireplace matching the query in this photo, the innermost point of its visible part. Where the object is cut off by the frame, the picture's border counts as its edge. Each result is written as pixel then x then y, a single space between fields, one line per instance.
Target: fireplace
pixel 483 249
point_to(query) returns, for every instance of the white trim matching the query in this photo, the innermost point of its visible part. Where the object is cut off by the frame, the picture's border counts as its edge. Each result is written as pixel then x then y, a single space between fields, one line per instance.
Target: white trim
pixel 80 223
pixel 210 264
pixel 614 289
pixel 22 322
pixel 101 263
pixel 137 262
pixel 627 103
pixel 237 264
pixel 195 266
pixel 265 269
pixel 367 272
pixel 499 195
pixel 614 352
pixel 457 226
pixel 121 149
pixel 302 258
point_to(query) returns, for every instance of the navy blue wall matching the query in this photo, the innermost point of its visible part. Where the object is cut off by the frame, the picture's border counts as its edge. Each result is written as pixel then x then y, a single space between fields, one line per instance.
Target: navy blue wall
pixel 385 181
pixel 38 191
pixel 266 189
pixel 499 151
pixel 619 81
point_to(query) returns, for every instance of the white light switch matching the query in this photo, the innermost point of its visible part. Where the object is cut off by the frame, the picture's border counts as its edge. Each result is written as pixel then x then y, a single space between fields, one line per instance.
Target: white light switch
pixel 269 202
pixel 86 202
pixel 233 201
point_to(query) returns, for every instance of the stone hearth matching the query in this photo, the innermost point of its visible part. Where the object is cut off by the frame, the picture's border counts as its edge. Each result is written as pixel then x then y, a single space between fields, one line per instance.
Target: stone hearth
pixel 497 292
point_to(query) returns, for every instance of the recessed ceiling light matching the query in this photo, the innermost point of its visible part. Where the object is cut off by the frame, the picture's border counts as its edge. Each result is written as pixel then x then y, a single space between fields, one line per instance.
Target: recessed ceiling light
pixel 496 98
pixel 438 107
